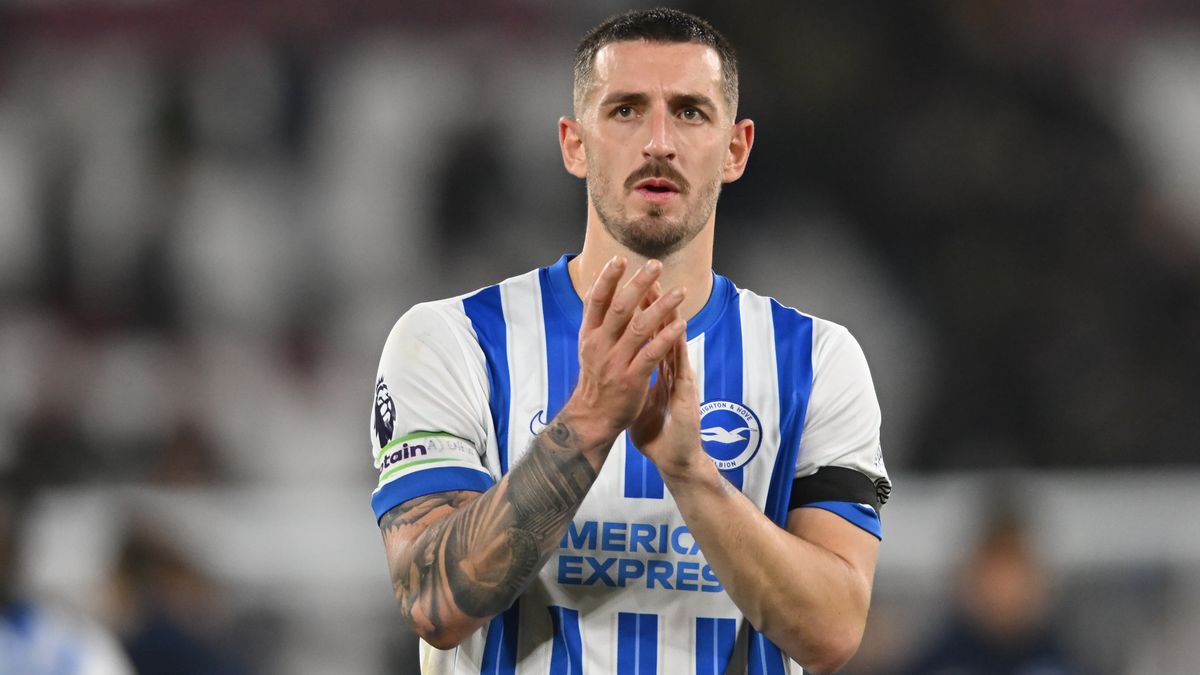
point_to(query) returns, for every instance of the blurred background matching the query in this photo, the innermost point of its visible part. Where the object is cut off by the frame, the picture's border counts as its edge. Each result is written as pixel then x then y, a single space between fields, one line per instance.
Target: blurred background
pixel 211 213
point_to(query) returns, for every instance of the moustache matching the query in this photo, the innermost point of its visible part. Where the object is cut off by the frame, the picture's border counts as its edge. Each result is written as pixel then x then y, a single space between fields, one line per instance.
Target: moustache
pixel 658 169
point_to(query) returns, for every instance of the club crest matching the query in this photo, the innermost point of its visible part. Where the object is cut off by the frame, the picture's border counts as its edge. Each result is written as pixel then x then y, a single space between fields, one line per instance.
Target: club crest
pixel 730 433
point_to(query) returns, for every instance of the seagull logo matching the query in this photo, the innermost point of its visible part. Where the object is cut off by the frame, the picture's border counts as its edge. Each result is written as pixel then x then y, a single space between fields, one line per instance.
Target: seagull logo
pixel 723 435
pixel 730 433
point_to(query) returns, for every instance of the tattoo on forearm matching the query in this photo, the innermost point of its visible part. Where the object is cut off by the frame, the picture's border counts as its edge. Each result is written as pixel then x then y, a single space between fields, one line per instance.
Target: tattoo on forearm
pixel 484 554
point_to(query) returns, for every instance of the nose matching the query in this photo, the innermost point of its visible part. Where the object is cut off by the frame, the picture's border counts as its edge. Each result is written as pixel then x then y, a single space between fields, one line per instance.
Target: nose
pixel 661 144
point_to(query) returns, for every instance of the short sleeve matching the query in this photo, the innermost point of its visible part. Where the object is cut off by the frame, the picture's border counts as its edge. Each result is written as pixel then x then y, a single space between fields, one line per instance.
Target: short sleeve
pixel 840 464
pixel 430 419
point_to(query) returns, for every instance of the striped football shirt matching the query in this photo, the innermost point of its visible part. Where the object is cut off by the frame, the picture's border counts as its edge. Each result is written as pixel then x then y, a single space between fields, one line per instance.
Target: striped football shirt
pixel 788 414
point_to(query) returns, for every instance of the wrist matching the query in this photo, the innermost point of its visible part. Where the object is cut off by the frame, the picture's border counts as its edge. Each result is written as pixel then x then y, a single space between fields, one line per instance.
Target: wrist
pixel 696 468
pixel 594 434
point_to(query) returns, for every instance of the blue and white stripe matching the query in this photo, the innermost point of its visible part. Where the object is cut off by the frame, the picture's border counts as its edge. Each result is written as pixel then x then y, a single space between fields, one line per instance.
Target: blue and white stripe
pixel 745 348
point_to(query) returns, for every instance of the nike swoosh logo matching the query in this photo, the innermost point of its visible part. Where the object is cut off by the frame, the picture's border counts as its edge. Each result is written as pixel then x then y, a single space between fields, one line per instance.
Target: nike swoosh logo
pixel 538 422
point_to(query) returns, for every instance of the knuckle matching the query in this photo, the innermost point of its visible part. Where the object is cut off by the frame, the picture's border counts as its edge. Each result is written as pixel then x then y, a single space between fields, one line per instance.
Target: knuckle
pixel 587 344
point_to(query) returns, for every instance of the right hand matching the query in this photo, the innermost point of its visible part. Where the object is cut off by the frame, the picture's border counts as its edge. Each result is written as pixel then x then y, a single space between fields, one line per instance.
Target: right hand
pixel 621 341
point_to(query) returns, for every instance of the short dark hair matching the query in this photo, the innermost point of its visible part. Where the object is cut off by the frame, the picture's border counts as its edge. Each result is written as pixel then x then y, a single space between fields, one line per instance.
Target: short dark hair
pixel 655 25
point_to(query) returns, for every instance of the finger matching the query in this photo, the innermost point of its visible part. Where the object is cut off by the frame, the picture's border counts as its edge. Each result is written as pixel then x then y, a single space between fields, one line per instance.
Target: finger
pixel 656 292
pixel 647 323
pixel 673 314
pixel 666 370
pixel 657 398
pixel 653 293
pixel 651 296
pixel 600 295
pixel 682 363
pixel 655 351
pixel 649 422
pixel 683 377
pixel 658 393
pixel 626 300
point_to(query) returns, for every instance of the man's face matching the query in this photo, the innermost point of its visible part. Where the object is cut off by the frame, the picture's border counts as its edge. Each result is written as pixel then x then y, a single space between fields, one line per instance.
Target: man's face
pixel 656 131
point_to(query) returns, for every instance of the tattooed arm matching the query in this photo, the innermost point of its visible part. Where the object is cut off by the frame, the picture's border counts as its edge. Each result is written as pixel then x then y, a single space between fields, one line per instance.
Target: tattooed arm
pixel 459 558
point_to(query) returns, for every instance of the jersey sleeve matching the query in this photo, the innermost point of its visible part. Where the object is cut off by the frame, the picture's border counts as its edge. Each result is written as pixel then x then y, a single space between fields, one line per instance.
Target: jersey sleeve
pixel 430 419
pixel 840 465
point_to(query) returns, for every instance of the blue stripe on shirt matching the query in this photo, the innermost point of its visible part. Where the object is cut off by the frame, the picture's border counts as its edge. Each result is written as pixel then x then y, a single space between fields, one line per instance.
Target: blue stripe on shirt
pixel 637 643
pixel 562 345
pixel 485 309
pixel 714 644
pixel 723 367
pixel 765 658
pixel 566 656
pixel 793 360
pixel 500 648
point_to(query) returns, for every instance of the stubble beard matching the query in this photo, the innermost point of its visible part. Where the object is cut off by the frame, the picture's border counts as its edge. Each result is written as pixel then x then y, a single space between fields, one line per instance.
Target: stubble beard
pixel 650 234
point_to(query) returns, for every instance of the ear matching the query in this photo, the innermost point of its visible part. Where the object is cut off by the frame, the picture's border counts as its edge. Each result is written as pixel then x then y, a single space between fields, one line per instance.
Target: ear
pixel 570 141
pixel 740 143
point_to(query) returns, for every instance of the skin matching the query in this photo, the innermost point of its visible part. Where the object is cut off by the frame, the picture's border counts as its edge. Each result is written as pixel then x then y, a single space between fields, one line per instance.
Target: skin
pixel 606 144
pixel 457 559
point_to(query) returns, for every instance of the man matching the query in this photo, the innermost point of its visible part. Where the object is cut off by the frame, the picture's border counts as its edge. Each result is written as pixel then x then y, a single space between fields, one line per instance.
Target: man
pixel 1000 624
pixel 621 462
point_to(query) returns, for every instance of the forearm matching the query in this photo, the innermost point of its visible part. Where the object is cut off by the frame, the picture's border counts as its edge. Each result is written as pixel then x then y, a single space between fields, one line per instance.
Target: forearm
pixel 803 597
pixel 472 564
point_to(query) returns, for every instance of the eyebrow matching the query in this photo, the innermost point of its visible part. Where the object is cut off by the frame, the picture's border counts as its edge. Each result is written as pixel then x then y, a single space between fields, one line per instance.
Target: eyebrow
pixel 674 101
pixel 623 97
pixel 692 101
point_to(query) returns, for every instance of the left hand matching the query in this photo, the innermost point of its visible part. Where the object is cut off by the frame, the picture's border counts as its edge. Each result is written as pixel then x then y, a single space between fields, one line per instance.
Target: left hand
pixel 667 430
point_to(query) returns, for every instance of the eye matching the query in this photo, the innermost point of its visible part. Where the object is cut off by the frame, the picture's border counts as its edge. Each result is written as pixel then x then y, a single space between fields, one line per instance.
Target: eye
pixel 623 112
pixel 692 114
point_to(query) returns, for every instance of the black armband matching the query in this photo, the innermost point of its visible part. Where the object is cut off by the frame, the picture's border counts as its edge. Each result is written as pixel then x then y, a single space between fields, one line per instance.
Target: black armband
pixel 839 484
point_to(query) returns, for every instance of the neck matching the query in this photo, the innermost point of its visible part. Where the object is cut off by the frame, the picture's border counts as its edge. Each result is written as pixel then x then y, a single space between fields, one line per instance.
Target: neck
pixel 689 267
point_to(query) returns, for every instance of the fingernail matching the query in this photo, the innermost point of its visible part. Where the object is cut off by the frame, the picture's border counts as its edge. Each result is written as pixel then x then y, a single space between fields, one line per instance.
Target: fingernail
pixel 653 265
pixel 676 293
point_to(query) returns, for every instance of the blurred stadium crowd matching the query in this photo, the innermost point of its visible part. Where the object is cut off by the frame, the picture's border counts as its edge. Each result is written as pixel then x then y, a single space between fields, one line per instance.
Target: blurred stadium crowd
pixel 211 214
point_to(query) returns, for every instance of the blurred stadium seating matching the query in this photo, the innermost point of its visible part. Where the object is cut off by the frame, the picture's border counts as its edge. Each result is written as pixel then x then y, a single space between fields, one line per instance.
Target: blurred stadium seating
pixel 211 214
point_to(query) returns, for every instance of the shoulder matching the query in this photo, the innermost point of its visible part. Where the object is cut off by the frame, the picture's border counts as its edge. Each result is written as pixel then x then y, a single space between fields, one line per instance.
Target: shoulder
pixel 433 319
pixel 828 339
pixel 457 317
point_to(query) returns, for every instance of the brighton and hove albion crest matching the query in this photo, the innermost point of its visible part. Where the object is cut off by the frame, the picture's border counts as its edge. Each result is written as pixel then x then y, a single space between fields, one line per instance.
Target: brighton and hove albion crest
pixel 385 414
pixel 730 433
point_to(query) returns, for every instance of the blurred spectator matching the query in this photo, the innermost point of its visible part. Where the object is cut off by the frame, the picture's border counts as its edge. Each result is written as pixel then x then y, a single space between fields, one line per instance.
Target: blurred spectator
pixel 188 458
pixel 1000 625
pixel 36 637
pixel 164 607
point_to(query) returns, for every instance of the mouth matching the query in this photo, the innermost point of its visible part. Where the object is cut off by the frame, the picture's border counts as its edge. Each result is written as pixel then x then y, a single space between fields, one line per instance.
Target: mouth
pixel 656 189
